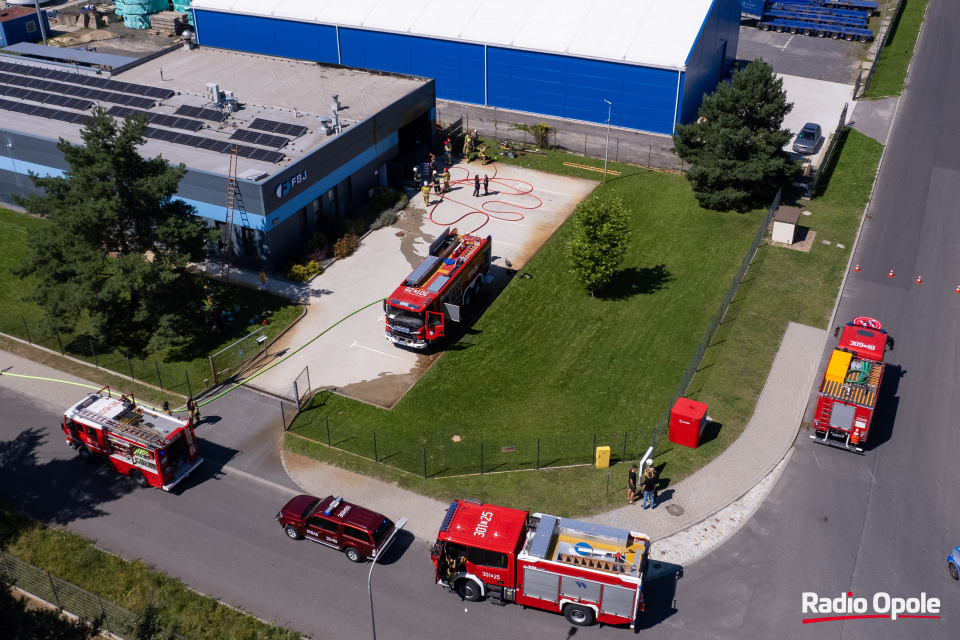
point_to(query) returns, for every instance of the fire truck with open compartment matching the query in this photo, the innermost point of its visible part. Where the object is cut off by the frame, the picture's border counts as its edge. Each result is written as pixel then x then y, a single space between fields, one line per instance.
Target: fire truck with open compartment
pixel 152 448
pixel 847 397
pixel 438 290
pixel 587 572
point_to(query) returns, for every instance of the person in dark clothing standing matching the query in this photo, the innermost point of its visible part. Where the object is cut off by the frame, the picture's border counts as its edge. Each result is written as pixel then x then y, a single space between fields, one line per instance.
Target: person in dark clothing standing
pixel 476 185
pixel 649 485
pixel 436 182
pixel 632 485
pixel 486 185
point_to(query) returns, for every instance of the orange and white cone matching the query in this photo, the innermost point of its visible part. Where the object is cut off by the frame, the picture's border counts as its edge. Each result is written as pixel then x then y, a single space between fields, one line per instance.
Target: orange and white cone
pixel 890 275
pixel 857 268
pixel 919 279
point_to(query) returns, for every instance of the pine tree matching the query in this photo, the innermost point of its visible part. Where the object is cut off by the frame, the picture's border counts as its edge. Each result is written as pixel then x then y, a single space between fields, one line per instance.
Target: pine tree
pixel 735 149
pixel 601 237
pixel 119 242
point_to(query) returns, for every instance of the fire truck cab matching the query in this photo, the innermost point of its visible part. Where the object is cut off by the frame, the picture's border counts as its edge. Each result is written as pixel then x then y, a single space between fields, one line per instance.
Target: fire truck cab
pixel 152 448
pixel 587 572
pixel 438 290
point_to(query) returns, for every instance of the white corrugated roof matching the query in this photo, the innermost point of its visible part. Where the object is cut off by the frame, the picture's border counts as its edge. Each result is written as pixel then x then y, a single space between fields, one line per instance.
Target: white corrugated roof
pixel 649 32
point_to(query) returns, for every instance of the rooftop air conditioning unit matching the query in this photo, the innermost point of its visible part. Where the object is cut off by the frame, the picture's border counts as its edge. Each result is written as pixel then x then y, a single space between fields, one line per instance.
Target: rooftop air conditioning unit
pixel 213 92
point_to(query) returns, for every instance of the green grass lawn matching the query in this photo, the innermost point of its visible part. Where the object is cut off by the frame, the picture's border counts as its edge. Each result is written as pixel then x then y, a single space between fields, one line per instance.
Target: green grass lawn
pixel 546 361
pixel 783 285
pixel 891 69
pixel 511 388
pixel 174 365
pixel 131 585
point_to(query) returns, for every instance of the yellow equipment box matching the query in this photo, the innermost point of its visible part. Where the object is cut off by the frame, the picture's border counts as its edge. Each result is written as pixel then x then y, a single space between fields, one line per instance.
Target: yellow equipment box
pixel 838 367
pixel 603 457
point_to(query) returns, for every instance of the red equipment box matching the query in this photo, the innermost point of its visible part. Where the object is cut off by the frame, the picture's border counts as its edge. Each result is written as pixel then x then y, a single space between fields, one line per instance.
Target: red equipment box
pixel 687 420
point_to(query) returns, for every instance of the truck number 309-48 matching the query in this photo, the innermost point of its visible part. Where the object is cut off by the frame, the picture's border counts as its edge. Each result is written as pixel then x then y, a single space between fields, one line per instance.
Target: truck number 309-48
pixel 485 518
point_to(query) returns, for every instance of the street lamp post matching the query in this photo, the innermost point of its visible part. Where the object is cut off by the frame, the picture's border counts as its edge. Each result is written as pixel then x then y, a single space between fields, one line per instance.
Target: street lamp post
pixel 606 153
pixel 43 32
pixel 397 527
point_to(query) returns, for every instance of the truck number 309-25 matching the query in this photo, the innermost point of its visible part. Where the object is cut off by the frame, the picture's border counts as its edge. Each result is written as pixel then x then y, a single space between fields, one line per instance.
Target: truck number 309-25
pixel 485 518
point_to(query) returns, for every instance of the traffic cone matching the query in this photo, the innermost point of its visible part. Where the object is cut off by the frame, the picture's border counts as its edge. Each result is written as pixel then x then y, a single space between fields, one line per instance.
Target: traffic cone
pixel 919 279
pixel 890 275
pixel 957 289
pixel 857 268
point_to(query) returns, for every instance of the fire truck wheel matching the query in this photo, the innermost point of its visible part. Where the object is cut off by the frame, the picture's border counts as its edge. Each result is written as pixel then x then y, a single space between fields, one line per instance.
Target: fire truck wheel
pixel 577 615
pixel 139 478
pixel 353 555
pixel 468 590
pixel 954 573
pixel 292 532
pixel 85 454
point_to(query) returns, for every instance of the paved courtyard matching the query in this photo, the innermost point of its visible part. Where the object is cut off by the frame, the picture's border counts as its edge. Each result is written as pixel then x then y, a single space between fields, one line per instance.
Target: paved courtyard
pixel 523 209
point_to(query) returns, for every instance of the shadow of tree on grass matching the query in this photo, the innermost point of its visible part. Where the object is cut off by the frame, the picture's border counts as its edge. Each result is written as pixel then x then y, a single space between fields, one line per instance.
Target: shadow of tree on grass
pixel 634 281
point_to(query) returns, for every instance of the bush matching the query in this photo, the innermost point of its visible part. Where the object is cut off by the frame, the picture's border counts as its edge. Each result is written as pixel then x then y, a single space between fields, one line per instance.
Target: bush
pixel 345 246
pixel 385 219
pixel 303 272
pixel 356 227
pixel 316 241
pixel 384 197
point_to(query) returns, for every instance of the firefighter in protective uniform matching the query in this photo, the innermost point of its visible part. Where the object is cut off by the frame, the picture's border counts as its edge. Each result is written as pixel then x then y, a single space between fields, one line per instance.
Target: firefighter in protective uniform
pixel 448 151
pixel 446 180
pixel 467 146
pixel 482 154
pixel 425 190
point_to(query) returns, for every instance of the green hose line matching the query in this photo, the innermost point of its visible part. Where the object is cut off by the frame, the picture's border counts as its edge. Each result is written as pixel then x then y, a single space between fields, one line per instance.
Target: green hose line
pixel 219 395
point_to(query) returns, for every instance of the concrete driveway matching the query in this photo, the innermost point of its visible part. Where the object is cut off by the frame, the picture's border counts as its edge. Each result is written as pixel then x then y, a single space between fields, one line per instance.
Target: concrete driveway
pixel 815 101
pixel 522 210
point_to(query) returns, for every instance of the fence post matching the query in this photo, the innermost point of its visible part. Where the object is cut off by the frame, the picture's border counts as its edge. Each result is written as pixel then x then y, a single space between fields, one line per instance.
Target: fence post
pixel 616 157
pixel 283 416
pixel 132 377
pixel 213 370
pixel 584 144
pixel 424 463
pixel 481 458
pixel 308 380
pixel 624 458
pixel 187 376
pixel 328 432
pixel 593 452
pixel 102 613
pixel 61 344
pixel 54 589
pixel 376 458
pixel 25 329
pixel 649 156
pixel 159 379
pixel 296 394
pixel 95 361
pixel 538 454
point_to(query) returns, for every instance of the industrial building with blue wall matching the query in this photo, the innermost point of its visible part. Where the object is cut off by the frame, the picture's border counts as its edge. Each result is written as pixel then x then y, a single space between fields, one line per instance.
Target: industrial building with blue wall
pixel 653 60
pixel 20 24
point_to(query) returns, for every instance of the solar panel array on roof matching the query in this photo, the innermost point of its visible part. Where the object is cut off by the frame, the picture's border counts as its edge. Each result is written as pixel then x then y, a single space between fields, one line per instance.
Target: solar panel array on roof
pixel 211 145
pixel 42 112
pixel 198 112
pixel 158 118
pixel 74 90
pixel 87 81
pixel 45 98
pixel 262 139
pixel 284 129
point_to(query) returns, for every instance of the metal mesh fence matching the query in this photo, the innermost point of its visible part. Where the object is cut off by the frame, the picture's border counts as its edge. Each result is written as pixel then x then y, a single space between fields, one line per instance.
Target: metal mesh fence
pixel 122 362
pixel 301 388
pixel 68 597
pixel 832 146
pixel 239 356
pixel 716 321
pixel 653 152
pixel 468 457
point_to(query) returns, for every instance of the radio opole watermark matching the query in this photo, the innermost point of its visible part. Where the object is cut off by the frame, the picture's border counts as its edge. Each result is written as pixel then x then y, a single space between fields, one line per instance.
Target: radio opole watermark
pixel 883 606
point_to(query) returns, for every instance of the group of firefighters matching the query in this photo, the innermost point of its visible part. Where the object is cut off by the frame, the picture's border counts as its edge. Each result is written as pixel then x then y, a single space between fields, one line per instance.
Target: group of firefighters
pixel 427 175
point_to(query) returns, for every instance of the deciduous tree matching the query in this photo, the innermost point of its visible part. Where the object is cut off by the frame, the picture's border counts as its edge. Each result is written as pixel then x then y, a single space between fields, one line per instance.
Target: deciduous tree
pixel 119 242
pixel 601 237
pixel 735 149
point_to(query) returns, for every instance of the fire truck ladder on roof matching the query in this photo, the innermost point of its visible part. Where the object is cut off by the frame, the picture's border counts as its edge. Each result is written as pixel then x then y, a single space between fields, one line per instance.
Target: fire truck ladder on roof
pixel 131 430
pixel 234 204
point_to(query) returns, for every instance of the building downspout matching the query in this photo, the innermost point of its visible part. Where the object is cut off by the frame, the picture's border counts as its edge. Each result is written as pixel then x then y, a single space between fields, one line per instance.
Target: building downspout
pixel 676 105
pixel 339 57
pixel 486 101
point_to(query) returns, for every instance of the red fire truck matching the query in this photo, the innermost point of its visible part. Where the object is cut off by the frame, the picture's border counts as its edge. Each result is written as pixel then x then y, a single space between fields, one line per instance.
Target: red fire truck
pixel 588 572
pixel 447 280
pixel 152 448
pixel 848 392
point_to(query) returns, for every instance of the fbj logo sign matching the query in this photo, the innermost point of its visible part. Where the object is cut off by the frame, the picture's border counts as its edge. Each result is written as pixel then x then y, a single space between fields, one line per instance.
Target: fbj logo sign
pixel 284 187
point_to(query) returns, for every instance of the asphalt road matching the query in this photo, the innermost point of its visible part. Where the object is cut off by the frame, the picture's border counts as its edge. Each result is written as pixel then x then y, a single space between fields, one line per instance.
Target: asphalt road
pixel 216 532
pixel 884 521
